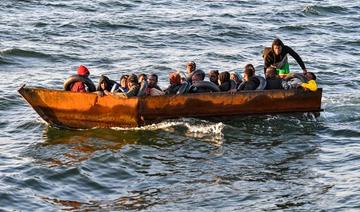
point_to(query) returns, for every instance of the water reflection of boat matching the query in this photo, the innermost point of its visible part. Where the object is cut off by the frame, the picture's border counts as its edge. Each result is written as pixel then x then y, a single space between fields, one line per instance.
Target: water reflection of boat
pixel 88 110
pixel 64 147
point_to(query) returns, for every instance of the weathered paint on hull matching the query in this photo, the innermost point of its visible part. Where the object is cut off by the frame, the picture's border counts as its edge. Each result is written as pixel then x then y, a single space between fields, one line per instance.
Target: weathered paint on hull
pixel 87 110
pixel 81 110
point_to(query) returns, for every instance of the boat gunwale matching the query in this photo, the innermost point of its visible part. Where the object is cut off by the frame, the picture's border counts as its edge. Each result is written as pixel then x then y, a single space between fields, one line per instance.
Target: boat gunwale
pixel 223 93
pixel 143 117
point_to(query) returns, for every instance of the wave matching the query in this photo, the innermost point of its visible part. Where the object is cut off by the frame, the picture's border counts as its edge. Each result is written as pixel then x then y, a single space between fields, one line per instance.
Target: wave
pixel 15 52
pixel 6 61
pixel 40 24
pixel 322 10
pixel 232 34
pixel 272 125
pixel 109 25
pixel 8 101
pixel 294 28
pixel 342 99
pixel 117 5
pixel 193 125
pixel 193 128
pixel 352 42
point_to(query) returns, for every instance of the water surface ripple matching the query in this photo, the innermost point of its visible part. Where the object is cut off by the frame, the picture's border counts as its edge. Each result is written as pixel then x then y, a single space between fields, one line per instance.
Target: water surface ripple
pixel 273 162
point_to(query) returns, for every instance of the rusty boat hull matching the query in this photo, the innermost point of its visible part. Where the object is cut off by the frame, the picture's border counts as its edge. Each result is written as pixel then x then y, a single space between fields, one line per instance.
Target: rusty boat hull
pixel 88 110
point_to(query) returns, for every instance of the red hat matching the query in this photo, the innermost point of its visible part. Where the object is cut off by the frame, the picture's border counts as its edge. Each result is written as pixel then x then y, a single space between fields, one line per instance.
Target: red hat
pixel 82 70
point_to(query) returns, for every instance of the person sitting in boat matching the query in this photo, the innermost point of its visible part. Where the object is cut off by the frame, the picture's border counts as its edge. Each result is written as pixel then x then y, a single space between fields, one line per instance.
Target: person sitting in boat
pixel 293 81
pixel 235 77
pixel 133 85
pixel 123 86
pixel 273 81
pixel 225 84
pixel 142 77
pixel 190 69
pixel 214 76
pixel 175 83
pixel 277 57
pixel 198 75
pixel 251 82
pixel 152 88
pixel 311 84
pixel 199 85
pixel 105 85
pixel 80 82
pixel 143 82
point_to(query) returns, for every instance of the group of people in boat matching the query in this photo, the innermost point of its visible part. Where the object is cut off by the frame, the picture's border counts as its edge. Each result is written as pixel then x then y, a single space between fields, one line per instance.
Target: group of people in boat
pixel 276 71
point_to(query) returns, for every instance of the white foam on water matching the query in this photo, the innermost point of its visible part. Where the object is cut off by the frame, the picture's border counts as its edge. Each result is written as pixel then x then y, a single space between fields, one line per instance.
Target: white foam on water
pixel 215 129
pixel 194 128
pixel 204 130
pixel 158 126
pixel 346 98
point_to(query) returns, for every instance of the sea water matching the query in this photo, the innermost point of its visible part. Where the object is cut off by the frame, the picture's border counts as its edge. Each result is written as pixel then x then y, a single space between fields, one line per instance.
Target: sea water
pixel 272 162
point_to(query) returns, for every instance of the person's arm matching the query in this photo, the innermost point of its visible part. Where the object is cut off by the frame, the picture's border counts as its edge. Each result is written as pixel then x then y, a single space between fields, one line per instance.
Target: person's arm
pixel 296 57
pixel 107 92
pixel 268 61
pixel 114 88
pixel 241 86
pixel 132 92
pixel 118 95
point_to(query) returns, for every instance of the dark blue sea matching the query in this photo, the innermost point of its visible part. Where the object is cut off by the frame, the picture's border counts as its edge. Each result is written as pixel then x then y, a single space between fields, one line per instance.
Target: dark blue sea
pixel 292 162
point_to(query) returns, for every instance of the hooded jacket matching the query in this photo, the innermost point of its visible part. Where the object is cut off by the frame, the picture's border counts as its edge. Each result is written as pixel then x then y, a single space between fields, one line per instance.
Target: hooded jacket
pixel 271 59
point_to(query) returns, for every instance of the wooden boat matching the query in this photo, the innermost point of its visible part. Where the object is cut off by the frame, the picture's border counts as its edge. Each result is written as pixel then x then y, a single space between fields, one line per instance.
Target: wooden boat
pixel 88 110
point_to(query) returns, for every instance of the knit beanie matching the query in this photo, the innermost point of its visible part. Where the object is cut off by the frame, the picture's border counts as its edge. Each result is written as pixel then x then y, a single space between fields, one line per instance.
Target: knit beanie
pixel 82 71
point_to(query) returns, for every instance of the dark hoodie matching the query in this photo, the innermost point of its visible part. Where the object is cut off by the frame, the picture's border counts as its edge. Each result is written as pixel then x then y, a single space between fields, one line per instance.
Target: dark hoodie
pixel 225 83
pixel 251 84
pixel 273 82
pixel 109 83
pixel 271 59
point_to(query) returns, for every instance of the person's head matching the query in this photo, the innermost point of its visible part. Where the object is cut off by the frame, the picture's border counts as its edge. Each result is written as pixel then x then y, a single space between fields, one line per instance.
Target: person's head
pixel 83 71
pixel 213 76
pixel 142 77
pixel 123 80
pixel 249 71
pixel 190 67
pixel 104 83
pixel 250 67
pixel 132 80
pixel 174 78
pixel 277 46
pixel 270 72
pixel 310 76
pixel 152 80
pixel 198 75
pixel 224 77
pixel 234 76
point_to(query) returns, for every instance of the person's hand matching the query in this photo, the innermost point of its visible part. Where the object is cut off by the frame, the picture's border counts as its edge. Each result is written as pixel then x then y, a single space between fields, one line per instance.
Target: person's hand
pixel 107 92
pixel 305 71
pixel 100 93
